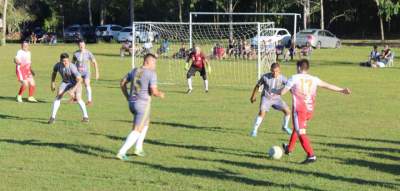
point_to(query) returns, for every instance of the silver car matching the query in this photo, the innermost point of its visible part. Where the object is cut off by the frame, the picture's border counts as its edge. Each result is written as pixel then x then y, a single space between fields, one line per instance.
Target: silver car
pixel 317 38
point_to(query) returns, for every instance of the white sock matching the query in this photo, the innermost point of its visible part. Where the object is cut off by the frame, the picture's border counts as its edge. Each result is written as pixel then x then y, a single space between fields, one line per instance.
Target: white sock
pixel 257 123
pixel 286 119
pixel 56 105
pixel 130 140
pixel 189 81
pixel 206 85
pixel 139 142
pixel 89 93
pixel 83 108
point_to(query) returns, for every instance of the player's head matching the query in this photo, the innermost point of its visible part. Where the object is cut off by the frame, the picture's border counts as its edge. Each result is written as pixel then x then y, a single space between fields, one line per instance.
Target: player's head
pixel 275 69
pixel 197 50
pixel 149 61
pixel 375 47
pixel 81 44
pixel 386 47
pixel 25 45
pixel 64 59
pixel 303 65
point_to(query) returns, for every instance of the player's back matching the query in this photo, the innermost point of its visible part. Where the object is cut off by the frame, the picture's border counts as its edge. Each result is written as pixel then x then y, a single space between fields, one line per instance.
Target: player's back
pixel 304 90
pixel 141 79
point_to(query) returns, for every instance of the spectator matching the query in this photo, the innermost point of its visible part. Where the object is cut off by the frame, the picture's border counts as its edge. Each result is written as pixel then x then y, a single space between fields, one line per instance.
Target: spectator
pixel 231 46
pixel 182 52
pixel 306 50
pixel 164 47
pixel 218 52
pixel 126 48
pixel 33 38
pixel 386 55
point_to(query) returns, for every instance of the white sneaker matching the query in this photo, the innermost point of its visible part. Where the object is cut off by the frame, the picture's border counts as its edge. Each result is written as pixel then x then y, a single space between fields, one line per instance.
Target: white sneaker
pixel 253 134
pixel 32 99
pixel 19 99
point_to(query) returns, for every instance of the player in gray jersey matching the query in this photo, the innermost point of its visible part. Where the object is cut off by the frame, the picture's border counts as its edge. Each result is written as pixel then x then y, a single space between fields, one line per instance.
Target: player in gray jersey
pixel 272 83
pixel 82 59
pixel 143 85
pixel 71 81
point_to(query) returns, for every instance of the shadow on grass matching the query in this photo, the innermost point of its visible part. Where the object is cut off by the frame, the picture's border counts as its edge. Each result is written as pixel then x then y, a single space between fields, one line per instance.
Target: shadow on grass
pixel 109 55
pixel 186 126
pixel 362 148
pixel 32 119
pixel 375 140
pixel 385 156
pixel 14 99
pixel 299 172
pixel 80 149
pixel 222 176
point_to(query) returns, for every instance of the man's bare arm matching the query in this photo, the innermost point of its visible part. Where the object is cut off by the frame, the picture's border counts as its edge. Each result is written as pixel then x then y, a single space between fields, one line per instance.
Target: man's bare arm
pixel 155 92
pixel 124 89
pixel 334 88
pixel 253 94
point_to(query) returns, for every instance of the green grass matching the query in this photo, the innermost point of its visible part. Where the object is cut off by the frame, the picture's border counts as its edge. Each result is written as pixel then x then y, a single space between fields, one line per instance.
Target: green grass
pixel 200 141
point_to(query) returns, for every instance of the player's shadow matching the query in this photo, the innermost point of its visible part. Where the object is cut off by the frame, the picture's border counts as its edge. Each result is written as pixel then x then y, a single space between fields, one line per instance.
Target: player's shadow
pixel 32 119
pixel 13 99
pixel 385 156
pixel 316 174
pixel 361 148
pixel 222 175
pixel 108 55
pixel 80 149
pixel 186 126
pixel 375 140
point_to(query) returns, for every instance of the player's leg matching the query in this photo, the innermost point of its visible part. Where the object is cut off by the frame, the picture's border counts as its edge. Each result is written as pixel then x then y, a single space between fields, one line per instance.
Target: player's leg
pixel 32 89
pixel 139 143
pixel 264 108
pixel 64 87
pixel 22 88
pixel 189 75
pixel 81 103
pixel 203 74
pixel 300 127
pixel 86 81
pixel 281 105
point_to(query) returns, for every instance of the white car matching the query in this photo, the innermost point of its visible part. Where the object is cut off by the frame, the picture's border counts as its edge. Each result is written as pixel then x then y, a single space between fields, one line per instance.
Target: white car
pixel 125 34
pixel 275 35
pixel 108 32
pixel 141 36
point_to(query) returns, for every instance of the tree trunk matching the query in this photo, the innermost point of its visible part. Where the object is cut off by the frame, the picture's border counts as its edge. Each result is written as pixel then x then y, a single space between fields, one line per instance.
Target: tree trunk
pixel 322 15
pixel 180 10
pixel 3 40
pixel 102 12
pixel 230 19
pixel 382 29
pixel 90 12
pixel 132 10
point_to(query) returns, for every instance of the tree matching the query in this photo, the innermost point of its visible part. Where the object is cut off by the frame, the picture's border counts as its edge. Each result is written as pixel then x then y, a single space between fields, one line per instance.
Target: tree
pixel 386 10
pixel 90 12
pixel 3 40
pixel 322 23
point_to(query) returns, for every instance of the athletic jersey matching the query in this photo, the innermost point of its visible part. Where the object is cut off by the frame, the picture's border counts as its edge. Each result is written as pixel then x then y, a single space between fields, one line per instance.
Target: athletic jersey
pixel 271 85
pixel 82 60
pixel 304 90
pixel 141 80
pixel 24 58
pixel 68 74
pixel 198 60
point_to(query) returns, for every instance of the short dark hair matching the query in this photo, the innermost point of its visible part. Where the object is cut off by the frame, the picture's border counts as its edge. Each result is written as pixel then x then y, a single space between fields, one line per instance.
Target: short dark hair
pixel 149 55
pixel 375 46
pixel 64 55
pixel 275 65
pixel 25 41
pixel 81 41
pixel 303 64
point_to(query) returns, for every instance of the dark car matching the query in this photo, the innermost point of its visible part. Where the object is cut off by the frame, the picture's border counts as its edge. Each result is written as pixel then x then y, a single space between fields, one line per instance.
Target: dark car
pixel 76 32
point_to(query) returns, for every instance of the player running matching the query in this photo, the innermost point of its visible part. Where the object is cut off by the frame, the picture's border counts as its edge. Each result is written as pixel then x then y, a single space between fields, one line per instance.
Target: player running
pixel 82 59
pixel 199 64
pixel 272 82
pixel 303 87
pixel 143 85
pixel 71 81
pixel 24 72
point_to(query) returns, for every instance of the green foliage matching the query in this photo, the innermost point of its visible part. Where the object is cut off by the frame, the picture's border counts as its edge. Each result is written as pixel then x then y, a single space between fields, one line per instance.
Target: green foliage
pixel 388 8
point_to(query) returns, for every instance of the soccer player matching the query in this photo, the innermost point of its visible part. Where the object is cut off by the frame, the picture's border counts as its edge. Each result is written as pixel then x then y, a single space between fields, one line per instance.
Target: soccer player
pixel 71 81
pixel 303 87
pixel 143 85
pixel 24 72
pixel 199 64
pixel 272 82
pixel 82 59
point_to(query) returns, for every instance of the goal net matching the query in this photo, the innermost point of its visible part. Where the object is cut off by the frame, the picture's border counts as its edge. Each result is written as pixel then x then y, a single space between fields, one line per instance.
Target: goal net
pixel 238 52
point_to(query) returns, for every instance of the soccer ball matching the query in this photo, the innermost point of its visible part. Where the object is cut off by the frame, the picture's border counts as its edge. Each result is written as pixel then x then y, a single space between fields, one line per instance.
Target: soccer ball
pixel 275 152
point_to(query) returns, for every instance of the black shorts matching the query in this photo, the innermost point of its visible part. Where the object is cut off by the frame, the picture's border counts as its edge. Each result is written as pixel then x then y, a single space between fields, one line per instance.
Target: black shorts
pixel 193 69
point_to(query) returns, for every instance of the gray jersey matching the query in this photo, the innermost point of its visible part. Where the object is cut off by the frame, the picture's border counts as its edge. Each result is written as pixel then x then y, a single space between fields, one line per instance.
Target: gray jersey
pixel 272 85
pixel 68 74
pixel 82 59
pixel 141 80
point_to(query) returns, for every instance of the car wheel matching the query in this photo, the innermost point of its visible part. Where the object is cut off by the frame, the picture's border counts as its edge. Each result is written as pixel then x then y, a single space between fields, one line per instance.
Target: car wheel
pixel 319 45
pixel 338 44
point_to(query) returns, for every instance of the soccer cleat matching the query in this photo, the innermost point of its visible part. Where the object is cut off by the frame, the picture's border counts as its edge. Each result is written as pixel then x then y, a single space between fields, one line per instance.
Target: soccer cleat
pixel 89 103
pixel 309 160
pixel 189 91
pixel 285 148
pixel 287 130
pixel 19 99
pixel 139 153
pixel 85 120
pixel 253 134
pixel 51 121
pixel 122 157
pixel 32 100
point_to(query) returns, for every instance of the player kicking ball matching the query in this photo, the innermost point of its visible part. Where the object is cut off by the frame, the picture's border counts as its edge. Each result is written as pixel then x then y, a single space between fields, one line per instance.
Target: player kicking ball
pixel 143 85
pixel 272 83
pixel 24 72
pixel 82 59
pixel 303 87
pixel 199 64
pixel 71 81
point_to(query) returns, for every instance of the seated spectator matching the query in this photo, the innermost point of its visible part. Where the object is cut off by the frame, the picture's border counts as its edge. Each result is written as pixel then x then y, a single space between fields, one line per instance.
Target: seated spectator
pixel 306 50
pixel 218 52
pixel 126 48
pixel 387 55
pixel 164 47
pixel 182 52
pixel 52 39
pixel 375 55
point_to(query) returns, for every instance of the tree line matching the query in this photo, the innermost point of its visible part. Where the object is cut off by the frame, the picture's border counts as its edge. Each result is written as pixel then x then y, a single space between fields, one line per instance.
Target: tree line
pixel 346 18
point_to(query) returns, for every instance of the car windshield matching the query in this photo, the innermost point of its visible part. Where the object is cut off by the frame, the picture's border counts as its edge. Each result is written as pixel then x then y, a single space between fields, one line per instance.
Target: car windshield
pixel 126 30
pixel 307 32
pixel 102 29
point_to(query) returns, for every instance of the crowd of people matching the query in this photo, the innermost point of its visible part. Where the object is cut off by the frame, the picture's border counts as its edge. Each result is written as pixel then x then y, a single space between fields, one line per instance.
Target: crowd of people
pixel 379 59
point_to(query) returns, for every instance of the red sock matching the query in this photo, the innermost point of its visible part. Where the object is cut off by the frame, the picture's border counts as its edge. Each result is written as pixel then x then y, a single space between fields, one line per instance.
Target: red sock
pixel 21 90
pixel 305 142
pixel 31 90
pixel 292 141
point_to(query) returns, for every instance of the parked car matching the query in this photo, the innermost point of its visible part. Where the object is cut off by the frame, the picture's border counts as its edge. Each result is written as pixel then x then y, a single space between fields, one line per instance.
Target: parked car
pixel 74 33
pixel 125 34
pixel 274 34
pixel 317 39
pixel 108 32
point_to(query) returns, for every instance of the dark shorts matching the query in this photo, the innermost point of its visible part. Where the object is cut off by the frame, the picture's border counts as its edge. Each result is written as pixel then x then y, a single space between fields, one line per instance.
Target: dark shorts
pixel 140 111
pixel 193 69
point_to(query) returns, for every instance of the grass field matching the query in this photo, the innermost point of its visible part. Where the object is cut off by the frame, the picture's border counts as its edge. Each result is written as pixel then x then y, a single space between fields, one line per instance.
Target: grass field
pixel 200 141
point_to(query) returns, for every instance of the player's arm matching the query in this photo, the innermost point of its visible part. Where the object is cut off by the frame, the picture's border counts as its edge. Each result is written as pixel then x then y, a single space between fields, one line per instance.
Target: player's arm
pixel 253 94
pixel 334 88
pixel 96 67
pixel 124 89
pixel 53 81
pixel 156 92
pixel 78 80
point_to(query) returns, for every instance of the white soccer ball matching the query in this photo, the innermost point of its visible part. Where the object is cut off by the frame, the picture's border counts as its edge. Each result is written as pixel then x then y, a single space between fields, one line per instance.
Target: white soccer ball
pixel 275 152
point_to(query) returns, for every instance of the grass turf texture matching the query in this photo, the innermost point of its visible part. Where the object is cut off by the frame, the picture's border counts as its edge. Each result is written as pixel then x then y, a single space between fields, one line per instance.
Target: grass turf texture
pixel 200 141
